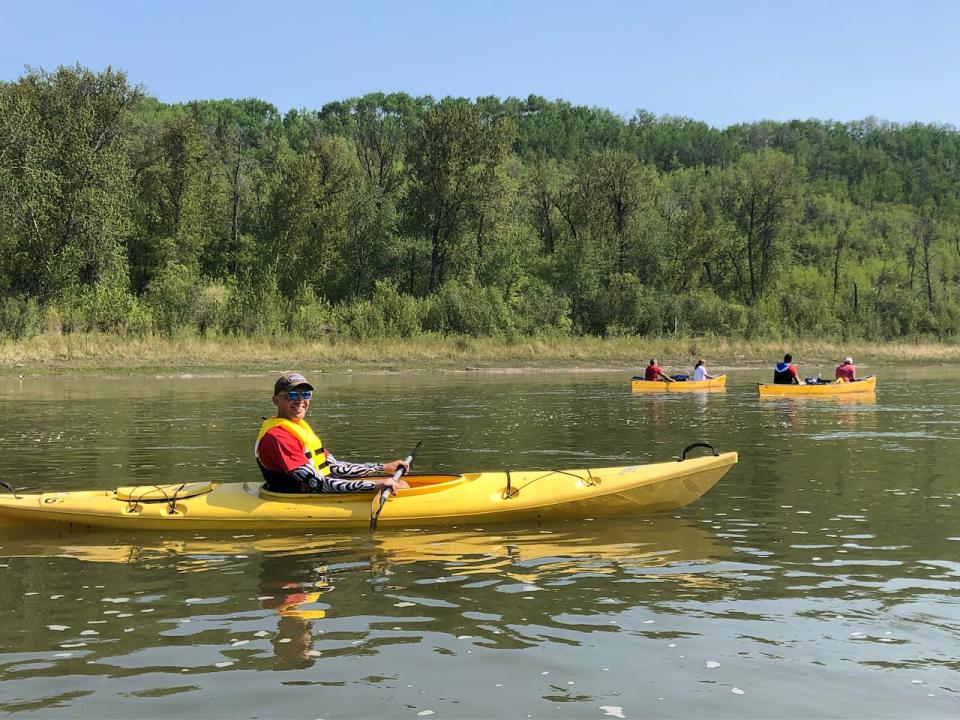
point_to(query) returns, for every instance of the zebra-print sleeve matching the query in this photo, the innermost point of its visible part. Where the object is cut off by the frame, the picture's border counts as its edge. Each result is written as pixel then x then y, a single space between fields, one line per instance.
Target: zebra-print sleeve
pixel 319 484
pixel 347 470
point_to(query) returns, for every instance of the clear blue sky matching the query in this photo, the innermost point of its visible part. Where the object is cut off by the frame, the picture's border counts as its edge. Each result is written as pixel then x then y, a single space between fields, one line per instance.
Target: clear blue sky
pixel 720 61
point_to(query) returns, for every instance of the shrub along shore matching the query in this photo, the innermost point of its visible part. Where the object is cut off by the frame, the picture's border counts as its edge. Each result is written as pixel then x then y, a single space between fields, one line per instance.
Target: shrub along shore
pixel 97 353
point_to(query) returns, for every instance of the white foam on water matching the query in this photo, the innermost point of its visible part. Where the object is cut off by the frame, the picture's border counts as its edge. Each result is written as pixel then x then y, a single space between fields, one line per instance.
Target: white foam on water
pixel 613 711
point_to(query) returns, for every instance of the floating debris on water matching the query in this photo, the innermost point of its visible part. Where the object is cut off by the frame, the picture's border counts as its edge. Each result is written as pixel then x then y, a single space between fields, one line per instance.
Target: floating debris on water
pixel 736 691
pixel 712 664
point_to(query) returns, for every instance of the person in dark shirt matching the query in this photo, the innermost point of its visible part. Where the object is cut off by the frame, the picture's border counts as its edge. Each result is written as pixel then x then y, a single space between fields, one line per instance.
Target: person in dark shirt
pixel 785 373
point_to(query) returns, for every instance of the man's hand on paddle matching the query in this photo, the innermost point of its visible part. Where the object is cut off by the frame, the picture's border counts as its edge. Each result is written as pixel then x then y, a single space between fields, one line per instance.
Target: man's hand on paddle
pixel 389 482
pixel 394 465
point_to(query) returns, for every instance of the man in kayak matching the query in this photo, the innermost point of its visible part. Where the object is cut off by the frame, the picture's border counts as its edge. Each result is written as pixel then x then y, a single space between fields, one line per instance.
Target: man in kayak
pixel 847 371
pixel 655 372
pixel 785 373
pixel 293 459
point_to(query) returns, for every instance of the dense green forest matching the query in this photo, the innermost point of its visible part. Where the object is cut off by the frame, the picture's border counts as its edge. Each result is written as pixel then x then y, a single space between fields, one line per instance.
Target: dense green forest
pixel 392 215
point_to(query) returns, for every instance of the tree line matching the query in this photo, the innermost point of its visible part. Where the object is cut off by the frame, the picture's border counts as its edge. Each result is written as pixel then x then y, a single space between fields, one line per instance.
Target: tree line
pixel 393 215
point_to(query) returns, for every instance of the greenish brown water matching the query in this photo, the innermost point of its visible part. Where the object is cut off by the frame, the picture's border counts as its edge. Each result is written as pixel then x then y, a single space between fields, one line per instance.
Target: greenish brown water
pixel 818 579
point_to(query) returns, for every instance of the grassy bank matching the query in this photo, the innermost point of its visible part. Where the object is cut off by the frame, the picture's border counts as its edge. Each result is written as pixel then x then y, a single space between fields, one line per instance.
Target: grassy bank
pixel 99 353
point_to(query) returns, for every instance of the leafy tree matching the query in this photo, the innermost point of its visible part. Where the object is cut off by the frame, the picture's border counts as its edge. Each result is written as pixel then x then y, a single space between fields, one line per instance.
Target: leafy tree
pixel 66 189
pixel 455 163
pixel 177 200
pixel 759 196
pixel 308 217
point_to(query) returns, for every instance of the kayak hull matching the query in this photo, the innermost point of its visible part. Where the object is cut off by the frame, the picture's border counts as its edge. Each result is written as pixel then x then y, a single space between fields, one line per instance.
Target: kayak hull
pixel 866 385
pixel 640 385
pixel 431 500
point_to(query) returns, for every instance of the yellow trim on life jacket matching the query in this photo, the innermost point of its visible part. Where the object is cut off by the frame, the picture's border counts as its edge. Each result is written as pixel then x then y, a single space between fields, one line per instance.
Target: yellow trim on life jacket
pixel 312 445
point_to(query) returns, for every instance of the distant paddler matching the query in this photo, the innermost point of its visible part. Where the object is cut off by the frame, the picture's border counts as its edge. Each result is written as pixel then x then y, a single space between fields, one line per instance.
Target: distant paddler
pixel 785 373
pixel 700 372
pixel 847 371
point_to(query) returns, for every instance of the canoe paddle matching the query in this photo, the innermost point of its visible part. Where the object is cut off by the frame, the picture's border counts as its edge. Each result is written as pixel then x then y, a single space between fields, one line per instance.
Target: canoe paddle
pixel 380 498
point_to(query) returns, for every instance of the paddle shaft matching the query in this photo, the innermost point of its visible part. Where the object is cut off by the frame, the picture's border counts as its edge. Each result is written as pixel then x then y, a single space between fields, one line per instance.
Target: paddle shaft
pixel 380 498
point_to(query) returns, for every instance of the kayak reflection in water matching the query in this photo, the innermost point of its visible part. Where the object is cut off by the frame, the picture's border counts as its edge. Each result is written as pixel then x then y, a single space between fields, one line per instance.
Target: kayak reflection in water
pixel 293 459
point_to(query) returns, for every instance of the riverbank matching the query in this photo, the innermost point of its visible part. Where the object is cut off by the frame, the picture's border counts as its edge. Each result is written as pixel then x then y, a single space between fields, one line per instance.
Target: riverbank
pixel 95 353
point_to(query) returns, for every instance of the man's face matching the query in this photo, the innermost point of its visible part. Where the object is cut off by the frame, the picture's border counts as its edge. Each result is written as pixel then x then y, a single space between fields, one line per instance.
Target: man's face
pixel 295 407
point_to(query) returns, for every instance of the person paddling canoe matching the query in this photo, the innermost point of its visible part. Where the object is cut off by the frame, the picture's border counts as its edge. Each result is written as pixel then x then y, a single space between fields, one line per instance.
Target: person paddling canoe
pixel 700 372
pixel 655 372
pixel 785 373
pixel 847 371
pixel 293 459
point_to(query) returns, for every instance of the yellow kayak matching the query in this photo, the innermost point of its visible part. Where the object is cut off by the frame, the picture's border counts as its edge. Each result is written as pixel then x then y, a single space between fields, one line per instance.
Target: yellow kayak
pixel 638 384
pixel 431 500
pixel 866 385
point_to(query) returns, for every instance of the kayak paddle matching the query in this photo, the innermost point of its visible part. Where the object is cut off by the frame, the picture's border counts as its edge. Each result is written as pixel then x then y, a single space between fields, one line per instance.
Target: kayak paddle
pixel 380 498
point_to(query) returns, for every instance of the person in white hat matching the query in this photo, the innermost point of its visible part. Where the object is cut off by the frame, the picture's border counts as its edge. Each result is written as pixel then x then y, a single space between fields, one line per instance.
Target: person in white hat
pixel 847 371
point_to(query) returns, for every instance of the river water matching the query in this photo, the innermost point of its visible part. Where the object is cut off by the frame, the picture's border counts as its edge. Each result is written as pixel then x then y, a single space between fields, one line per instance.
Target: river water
pixel 819 578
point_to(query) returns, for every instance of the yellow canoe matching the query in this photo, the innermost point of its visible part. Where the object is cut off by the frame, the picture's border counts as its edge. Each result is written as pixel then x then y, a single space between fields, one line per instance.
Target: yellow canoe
pixel 638 384
pixel 866 385
pixel 431 500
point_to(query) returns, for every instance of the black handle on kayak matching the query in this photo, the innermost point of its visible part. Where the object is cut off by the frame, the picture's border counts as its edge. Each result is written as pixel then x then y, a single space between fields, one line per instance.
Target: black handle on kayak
pixel 380 498
pixel 691 446
pixel 8 486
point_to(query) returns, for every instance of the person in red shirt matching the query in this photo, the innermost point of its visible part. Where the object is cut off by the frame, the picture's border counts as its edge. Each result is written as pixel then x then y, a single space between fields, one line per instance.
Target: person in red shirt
pixel 655 372
pixel 846 370
pixel 292 458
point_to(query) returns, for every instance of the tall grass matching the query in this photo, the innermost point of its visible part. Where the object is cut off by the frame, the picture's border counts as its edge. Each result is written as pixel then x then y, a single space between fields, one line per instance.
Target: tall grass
pixel 92 352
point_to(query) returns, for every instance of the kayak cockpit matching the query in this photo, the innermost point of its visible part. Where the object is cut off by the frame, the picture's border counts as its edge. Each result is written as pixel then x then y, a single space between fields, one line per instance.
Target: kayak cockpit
pixel 419 485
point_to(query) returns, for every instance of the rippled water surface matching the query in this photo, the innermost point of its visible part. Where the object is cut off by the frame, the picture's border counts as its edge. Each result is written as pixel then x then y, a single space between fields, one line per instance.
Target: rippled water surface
pixel 819 578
